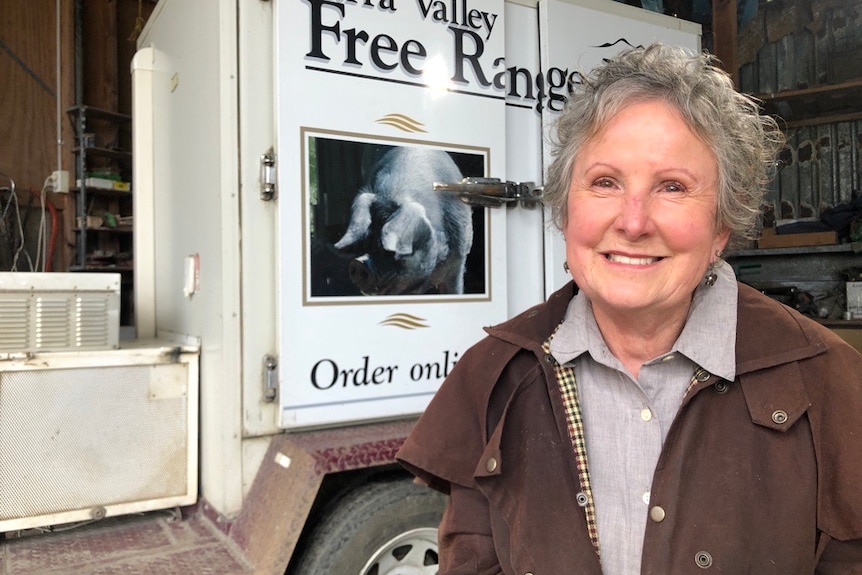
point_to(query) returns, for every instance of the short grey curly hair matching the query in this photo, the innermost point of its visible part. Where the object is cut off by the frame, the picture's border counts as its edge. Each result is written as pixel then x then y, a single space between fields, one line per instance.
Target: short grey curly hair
pixel 744 142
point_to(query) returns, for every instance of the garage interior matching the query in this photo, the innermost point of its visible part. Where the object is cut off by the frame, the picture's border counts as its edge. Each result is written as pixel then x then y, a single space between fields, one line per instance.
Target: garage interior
pixel 67 104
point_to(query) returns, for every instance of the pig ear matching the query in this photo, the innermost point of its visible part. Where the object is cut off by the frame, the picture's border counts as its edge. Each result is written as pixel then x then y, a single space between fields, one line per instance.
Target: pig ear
pixel 407 226
pixel 360 221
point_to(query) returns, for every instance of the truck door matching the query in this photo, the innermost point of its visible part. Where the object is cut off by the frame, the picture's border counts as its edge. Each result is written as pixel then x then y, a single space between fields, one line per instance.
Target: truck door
pixel 384 281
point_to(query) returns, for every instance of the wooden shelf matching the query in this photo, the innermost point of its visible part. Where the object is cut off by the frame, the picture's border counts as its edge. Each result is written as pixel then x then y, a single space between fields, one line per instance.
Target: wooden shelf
pixel 102 268
pixel 116 229
pixel 842 323
pixel 817 105
pixel 794 251
pixel 92 112
pixel 104 192
pixel 111 153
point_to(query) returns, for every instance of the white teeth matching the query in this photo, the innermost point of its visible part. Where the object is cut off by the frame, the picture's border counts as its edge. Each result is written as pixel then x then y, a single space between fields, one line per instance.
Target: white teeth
pixel 631 261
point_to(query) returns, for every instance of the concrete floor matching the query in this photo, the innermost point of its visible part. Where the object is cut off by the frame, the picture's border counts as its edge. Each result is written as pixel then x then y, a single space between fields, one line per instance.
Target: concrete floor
pixel 153 544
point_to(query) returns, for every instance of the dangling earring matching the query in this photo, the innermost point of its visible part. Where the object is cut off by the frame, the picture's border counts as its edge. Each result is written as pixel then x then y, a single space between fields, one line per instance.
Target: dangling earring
pixel 566 267
pixel 711 276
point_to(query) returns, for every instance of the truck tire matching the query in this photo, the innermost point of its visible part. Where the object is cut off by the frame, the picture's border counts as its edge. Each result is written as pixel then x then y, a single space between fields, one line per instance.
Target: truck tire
pixel 383 528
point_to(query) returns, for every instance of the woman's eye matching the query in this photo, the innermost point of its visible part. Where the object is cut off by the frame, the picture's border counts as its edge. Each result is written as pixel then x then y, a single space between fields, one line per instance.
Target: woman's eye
pixel 673 187
pixel 604 183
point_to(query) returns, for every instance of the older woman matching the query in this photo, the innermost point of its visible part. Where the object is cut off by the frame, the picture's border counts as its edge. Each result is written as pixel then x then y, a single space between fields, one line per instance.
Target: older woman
pixel 653 416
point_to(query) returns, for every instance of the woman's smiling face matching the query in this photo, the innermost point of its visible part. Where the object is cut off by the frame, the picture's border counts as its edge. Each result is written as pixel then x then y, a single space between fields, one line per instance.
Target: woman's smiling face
pixel 642 204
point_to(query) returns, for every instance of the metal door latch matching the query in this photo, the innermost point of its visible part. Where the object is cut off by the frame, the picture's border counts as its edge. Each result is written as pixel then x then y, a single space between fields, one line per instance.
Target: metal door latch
pixel 270 378
pixel 267 176
pixel 493 192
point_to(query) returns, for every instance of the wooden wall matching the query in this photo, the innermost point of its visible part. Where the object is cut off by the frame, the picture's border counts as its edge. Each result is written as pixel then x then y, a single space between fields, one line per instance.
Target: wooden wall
pixel 30 90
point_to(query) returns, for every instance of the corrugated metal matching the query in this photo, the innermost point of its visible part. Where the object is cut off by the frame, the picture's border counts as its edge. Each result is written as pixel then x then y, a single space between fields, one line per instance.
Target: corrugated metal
pixel 818 45
pixel 820 169
pixel 812 54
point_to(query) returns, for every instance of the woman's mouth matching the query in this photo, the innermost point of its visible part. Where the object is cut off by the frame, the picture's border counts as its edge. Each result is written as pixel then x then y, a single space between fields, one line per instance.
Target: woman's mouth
pixel 639 261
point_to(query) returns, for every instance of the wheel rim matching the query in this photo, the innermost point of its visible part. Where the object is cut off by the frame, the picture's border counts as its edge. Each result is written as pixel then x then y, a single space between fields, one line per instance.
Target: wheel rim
pixel 413 552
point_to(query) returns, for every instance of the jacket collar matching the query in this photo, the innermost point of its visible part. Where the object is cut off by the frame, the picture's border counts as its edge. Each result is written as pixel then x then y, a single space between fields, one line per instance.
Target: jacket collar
pixel 532 327
pixel 759 318
pixel 759 321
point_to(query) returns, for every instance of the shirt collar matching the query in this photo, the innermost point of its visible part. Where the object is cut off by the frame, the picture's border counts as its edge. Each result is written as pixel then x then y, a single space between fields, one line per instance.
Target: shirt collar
pixel 708 337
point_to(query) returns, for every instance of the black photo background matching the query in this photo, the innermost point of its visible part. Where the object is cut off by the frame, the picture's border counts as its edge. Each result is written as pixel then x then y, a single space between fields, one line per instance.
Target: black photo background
pixel 337 170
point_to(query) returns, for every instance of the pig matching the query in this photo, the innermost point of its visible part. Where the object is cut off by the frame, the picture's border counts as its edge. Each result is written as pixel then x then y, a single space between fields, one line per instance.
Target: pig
pixel 415 239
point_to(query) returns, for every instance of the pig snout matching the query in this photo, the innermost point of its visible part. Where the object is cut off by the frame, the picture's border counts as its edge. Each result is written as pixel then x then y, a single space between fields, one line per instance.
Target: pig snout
pixel 362 273
pixel 378 276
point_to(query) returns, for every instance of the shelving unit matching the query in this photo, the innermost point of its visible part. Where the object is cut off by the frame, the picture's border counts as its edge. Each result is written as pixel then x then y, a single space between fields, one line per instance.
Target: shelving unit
pixel 811 278
pixel 103 196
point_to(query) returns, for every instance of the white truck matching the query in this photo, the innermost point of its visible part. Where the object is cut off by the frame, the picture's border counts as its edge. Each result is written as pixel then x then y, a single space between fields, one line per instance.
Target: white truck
pixel 318 237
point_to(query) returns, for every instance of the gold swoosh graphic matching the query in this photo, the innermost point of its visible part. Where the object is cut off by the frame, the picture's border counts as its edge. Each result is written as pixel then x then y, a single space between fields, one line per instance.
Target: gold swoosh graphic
pixel 404 321
pixel 402 122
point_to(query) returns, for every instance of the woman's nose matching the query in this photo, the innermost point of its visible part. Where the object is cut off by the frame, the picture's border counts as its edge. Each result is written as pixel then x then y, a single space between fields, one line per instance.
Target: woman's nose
pixel 634 219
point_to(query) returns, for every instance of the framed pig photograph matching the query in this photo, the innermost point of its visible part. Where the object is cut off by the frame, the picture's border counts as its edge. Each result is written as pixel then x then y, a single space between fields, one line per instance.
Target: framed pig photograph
pixel 377 228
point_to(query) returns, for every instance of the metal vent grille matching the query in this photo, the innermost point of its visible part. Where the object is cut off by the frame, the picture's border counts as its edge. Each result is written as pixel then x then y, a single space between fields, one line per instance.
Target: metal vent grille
pixel 14 324
pixel 91 329
pixel 86 438
pixel 52 319
pixel 59 312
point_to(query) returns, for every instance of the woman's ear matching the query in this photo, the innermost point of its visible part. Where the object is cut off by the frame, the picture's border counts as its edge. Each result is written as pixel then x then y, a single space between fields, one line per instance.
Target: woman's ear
pixel 720 241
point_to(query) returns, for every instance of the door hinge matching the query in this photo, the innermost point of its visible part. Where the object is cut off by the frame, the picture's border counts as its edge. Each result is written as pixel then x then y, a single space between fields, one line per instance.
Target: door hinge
pixel 267 176
pixel 270 378
pixel 493 192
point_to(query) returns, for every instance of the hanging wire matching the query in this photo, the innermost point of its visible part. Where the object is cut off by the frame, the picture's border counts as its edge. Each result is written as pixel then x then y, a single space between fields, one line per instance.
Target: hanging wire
pixel 12 226
pixel 42 239
pixel 13 202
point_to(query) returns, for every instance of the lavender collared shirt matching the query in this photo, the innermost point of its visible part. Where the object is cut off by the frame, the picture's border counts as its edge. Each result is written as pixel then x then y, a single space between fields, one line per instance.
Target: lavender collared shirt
pixel 626 420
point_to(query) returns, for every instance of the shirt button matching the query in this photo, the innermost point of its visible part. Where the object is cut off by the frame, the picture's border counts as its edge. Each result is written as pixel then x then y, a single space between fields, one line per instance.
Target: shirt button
pixel 646 414
pixel 657 514
pixel 668 357
pixel 491 465
pixel 646 498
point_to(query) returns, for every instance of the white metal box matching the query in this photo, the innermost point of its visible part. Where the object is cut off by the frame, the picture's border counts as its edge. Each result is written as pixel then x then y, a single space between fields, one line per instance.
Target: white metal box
pixel 84 435
pixel 59 311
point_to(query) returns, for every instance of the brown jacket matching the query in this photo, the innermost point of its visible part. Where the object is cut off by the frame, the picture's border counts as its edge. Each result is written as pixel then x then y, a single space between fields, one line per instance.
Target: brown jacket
pixel 757 476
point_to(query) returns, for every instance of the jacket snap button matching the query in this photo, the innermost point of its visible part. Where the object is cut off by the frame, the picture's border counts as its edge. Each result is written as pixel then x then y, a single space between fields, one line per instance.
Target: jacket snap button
pixel 702 375
pixel 657 514
pixel 703 559
pixel 721 387
pixel 779 416
pixel 491 464
pixel 581 498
